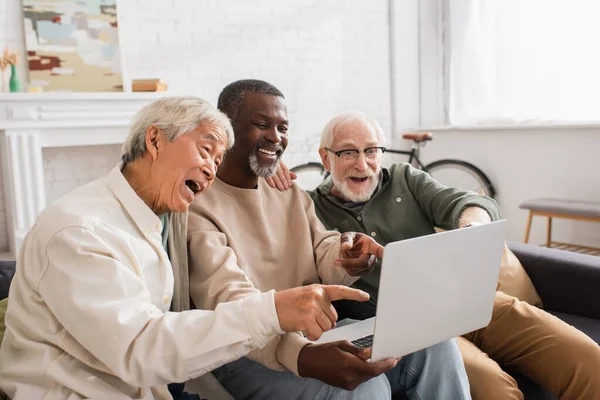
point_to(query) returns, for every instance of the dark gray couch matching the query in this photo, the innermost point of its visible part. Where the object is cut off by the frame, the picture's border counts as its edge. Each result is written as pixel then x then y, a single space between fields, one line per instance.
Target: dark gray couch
pixel 568 284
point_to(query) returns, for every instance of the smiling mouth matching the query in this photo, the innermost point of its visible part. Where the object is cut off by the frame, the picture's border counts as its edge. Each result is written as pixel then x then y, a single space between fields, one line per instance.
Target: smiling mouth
pixel 268 152
pixel 193 186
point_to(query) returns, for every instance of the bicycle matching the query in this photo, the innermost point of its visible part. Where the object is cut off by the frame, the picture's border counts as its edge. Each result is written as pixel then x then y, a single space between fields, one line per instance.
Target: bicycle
pixel 451 172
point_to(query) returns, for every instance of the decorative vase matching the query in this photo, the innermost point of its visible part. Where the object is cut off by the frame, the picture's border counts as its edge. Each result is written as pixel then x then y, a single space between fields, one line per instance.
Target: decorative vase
pixel 14 84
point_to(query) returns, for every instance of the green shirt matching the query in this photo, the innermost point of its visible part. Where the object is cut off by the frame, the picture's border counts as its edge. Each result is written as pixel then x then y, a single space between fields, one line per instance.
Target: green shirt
pixel 407 203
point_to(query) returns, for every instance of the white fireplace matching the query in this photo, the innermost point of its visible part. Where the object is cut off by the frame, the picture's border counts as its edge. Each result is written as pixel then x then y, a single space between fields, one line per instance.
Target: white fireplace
pixel 30 122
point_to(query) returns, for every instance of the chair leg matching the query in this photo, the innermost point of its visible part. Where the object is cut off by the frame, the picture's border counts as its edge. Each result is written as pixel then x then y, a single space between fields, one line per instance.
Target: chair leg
pixel 528 227
pixel 549 233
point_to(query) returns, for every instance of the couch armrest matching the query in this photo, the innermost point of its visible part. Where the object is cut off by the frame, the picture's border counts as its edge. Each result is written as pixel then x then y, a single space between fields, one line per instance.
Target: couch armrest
pixel 567 282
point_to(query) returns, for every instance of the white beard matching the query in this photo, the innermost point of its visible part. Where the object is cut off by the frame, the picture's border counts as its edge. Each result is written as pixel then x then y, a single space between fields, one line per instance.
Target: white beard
pixel 260 170
pixel 362 196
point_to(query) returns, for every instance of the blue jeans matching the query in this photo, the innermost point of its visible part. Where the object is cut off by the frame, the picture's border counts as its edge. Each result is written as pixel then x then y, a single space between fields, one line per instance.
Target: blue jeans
pixel 246 379
pixel 437 372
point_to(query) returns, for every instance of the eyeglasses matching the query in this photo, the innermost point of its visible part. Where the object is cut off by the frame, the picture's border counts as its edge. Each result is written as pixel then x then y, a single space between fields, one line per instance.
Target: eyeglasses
pixel 348 155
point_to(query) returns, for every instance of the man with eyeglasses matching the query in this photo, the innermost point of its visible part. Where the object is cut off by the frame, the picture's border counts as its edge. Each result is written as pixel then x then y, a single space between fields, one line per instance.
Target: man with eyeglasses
pixel 245 238
pixel 359 193
pixel 401 203
pixel 363 181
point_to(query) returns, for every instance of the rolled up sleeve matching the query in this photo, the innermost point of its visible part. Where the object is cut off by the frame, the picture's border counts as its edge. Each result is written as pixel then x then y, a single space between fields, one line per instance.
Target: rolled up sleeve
pixel 444 205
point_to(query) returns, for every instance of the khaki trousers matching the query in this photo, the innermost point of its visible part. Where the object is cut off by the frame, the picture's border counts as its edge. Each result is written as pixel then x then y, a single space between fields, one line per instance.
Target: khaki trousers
pixel 534 343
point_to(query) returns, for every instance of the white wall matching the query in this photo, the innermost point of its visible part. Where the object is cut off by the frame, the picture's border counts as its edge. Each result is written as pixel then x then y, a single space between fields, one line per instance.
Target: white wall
pixel 526 164
pixel 66 168
pixel 324 56
pixel 522 163
pixel 327 56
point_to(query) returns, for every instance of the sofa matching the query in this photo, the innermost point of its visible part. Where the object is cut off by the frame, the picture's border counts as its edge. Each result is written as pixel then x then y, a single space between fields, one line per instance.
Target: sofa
pixel 566 282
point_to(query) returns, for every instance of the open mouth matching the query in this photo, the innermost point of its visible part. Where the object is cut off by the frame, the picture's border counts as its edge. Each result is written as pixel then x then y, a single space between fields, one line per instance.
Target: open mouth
pixel 358 180
pixel 193 186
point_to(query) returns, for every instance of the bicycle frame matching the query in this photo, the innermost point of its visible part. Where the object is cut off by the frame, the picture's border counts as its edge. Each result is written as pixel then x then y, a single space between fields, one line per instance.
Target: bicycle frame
pixel 412 156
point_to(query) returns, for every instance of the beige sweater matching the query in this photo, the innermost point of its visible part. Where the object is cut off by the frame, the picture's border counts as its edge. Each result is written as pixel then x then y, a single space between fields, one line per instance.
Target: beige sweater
pixel 243 242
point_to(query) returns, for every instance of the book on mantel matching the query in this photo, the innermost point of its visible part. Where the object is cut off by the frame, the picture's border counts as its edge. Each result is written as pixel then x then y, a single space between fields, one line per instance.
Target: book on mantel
pixel 148 85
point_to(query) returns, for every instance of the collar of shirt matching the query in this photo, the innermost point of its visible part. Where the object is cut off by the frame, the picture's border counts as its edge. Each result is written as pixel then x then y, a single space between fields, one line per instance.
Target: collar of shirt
pixel 251 194
pixel 146 220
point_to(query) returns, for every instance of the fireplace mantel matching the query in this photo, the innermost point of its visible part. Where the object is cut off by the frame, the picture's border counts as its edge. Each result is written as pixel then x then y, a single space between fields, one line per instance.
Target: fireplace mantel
pixel 30 122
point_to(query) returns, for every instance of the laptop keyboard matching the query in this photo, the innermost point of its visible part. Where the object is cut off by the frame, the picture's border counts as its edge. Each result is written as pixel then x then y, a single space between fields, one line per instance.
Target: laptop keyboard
pixel 366 341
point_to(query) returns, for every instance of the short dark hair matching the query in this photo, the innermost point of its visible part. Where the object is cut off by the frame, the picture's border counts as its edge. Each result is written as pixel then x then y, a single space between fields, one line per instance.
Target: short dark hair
pixel 232 95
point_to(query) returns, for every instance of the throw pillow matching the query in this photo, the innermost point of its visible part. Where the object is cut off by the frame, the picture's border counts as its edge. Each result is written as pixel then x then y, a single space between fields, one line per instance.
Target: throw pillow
pixel 514 280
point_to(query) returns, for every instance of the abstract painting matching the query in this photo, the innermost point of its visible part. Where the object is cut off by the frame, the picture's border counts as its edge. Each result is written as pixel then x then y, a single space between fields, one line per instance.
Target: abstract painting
pixel 73 45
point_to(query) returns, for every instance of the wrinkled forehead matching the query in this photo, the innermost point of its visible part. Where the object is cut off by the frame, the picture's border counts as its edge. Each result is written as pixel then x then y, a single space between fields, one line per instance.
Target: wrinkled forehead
pixel 357 132
pixel 214 135
pixel 217 136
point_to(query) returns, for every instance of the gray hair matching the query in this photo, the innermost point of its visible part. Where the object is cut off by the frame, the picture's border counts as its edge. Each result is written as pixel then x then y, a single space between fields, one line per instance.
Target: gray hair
pixel 174 116
pixel 344 118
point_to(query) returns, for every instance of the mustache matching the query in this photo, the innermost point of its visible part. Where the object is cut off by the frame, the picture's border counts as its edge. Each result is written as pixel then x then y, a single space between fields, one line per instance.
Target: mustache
pixel 367 174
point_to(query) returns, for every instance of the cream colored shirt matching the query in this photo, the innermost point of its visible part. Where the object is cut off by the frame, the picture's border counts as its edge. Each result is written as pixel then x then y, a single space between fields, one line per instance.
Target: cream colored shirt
pixel 88 313
pixel 246 241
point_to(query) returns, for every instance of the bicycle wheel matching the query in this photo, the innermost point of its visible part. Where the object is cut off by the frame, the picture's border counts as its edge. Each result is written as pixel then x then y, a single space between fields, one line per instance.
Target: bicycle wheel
pixel 461 174
pixel 310 175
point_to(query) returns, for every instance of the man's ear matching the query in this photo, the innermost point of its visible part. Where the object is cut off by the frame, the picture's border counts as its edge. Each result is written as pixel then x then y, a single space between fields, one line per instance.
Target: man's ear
pixel 154 141
pixel 324 158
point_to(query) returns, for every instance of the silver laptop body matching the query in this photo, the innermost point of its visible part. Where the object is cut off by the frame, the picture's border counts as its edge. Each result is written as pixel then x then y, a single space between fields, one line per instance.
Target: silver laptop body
pixel 432 288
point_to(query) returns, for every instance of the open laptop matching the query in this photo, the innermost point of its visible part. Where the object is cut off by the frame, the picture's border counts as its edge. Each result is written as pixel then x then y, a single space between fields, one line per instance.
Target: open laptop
pixel 432 288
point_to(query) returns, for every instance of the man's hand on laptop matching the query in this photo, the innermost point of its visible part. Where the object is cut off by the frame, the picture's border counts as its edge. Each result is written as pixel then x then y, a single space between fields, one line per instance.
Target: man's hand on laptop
pixel 340 364
pixel 308 308
pixel 358 253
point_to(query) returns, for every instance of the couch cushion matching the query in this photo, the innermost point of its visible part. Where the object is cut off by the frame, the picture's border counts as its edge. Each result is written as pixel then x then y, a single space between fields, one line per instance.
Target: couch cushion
pixel 7 271
pixel 589 326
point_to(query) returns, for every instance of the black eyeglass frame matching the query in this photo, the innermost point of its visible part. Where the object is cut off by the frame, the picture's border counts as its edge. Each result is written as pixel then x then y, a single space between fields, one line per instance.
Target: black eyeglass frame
pixel 338 153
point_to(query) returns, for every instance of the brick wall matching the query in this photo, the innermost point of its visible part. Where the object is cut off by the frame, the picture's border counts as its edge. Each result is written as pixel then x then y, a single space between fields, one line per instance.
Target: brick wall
pixel 91 163
pixel 325 56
